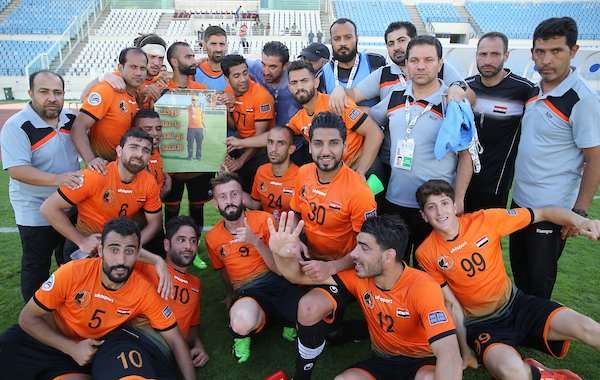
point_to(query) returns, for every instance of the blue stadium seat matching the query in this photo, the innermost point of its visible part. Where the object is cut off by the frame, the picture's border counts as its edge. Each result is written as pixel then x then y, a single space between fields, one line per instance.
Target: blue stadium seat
pixel 371 16
pixel 438 12
pixel 15 55
pixel 43 16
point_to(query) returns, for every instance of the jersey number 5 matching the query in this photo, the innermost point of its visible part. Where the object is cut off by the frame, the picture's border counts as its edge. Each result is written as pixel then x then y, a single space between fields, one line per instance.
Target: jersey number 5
pixel 96 321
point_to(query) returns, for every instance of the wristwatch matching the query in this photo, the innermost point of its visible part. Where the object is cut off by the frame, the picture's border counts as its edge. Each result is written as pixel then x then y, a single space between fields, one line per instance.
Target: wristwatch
pixel 580 212
pixel 460 84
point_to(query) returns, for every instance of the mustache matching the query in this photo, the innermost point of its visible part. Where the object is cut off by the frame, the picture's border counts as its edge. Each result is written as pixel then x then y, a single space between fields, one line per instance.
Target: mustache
pixel 118 267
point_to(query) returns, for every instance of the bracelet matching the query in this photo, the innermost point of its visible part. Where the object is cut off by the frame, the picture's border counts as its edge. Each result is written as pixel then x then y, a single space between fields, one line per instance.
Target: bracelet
pixel 580 212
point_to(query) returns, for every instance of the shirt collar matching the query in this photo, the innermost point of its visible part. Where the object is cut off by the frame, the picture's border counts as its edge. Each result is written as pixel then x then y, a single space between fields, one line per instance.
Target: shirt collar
pixel 562 87
pixel 38 122
pixel 435 98
pixel 395 69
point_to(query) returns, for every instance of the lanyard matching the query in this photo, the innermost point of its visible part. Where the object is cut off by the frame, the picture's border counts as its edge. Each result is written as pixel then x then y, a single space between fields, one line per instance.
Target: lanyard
pixel 352 72
pixel 410 124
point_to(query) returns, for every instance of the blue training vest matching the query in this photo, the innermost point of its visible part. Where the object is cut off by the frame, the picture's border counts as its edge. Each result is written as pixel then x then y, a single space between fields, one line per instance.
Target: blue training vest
pixel 363 71
pixel 213 83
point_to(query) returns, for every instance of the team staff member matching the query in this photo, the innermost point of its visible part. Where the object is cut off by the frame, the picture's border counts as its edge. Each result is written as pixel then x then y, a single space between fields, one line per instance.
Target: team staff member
pixel 62 326
pixel 209 72
pixel 412 334
pixel 126 189
pixel 251 113
pixel 558 161
pixel 107 113
pixel 464 255
pixel 237 249
pixel 415 118
pixel 317 55
pixel 39 155
pixel 274 182
pixel 181 243
pixel 501 98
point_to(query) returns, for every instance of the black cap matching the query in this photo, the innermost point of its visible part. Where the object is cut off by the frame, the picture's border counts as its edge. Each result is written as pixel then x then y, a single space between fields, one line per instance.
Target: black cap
pixel 314 52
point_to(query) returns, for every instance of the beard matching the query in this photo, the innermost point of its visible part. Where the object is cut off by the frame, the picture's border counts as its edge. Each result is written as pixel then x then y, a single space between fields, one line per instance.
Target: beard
pixel 328 168
pixel 187 70
pixel 232 212
pixel 116 279
pixel 347 57
pixel 178 260
pixel 490 74
pixel 305 97
pixel 400 60
pixel 133 167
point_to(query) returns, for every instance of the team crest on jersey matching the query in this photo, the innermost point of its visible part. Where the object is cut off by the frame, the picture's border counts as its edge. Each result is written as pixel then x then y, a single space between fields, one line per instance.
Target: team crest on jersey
pixel 222 252
pixel 481 242
pixel 303 191
pixel 123 106
pixel 94 98
pixel 265 107
pixel 437 317
pixel 82 298
pixel 368 298
pixel 402 313
pixel 445 263
pixel 354 114
pixel 262 188
pixel 49 284
pixel 107 195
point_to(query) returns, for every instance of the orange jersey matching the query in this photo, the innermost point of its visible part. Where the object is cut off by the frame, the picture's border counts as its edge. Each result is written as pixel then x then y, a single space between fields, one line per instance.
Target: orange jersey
pixel 472 264
pixel 101 198
pixel 274 193
pixel 257 104
pixel 83 308
pixel 242 261
pixel 191 84
pixel 353 118
pixel 185 300
pixel 113 113
pixel 195 118
pixel 155 166
pixel 334 212
pixel 406 319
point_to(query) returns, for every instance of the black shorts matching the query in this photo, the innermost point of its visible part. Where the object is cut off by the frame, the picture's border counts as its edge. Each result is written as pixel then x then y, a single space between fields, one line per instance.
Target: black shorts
pixel 24 357
pixel 276 296
pixel 198 188
pixel 339 296
pixel 394 367
pixel 524 321
pixel 130 351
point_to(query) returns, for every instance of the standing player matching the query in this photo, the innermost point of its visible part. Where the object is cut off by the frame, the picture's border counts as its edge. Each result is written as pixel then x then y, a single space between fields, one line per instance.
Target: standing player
pixel 63 325
pixel 209 72
pixel 237 249
pixel 412 334
pixel 125 189
pixel 501 98
pixel 154 47
pixel 558 161
pixel 107 113
pixel 464 255
pixel 274 182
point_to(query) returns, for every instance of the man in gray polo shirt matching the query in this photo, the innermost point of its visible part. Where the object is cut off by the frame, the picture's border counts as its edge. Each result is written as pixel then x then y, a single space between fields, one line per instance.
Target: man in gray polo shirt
pixel 558 161
pixel 415 117
pixel 38 153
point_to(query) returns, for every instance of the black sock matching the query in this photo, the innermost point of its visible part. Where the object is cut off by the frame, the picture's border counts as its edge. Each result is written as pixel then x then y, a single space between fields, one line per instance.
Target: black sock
pixel 535 373
pixel 197 213
pixel 311 342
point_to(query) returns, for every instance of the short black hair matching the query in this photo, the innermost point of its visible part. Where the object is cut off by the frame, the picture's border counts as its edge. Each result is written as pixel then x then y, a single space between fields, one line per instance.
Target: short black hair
pixel 223 178
pixel 343 20
pixel 425 40
pixel 389 231
pixel 125 52
pixel 277 49
pixel 299 65
pixel 173 49
pixel 557 27
pixel 328 120
pixel 34 75
pixel 214 30
pixel 147 39
pixel 411 30
pixel 176 222
pixel 144 113
pixel 231 60
pixel 433 187
pixel 137 133
pixel 499 35
pixel 123 226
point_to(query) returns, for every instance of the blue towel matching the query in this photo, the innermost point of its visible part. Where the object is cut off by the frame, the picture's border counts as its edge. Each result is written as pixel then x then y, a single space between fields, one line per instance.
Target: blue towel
pixel 457 130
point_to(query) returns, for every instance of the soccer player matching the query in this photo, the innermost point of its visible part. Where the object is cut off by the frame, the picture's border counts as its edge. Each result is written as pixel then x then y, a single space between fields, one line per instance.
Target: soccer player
pixel 64 324
pixel 237 249
pixel 501 98
pixel 126 189
pixel 252 112
pixel 558 160
pixel 412 334
pixel 209 72
pixel 107 113
pixel 181 58
pixel 464 255
pixel 415 117
pixel 274 182
pixel 181 243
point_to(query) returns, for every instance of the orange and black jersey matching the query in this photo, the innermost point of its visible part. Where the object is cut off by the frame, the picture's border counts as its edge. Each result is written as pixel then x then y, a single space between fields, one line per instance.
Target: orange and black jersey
pixel 274 193
pixel 472 264
pixel 191 84
pixel 82 307
pixel 101 198
pixel 155 166
pixel 256 104
pixel 333 212
pixel 405 319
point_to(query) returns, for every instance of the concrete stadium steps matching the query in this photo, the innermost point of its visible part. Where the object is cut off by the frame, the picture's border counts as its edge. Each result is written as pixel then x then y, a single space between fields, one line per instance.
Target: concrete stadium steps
pixel 163 24
pixel 415 18
pixel 464 13
pixel 9 9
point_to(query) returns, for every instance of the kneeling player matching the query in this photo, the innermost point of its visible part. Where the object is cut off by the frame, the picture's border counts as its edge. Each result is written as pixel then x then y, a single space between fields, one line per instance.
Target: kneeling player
pixel 237 244
pixel 464 255
pixel 127 348
pixel 412 333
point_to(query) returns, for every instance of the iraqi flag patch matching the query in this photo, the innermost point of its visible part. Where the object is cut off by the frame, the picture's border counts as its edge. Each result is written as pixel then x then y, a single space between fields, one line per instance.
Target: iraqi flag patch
pixel 500 109
pixel 481 242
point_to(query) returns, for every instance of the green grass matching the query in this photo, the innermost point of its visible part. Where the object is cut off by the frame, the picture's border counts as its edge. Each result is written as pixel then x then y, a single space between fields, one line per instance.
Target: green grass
pixel 578 286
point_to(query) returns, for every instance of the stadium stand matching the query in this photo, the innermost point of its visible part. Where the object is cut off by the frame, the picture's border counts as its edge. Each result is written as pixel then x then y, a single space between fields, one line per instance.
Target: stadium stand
pixel 371 16
pixel 130 21
pixel 98 57
pixel 14 55
pixel 3 4
pixel 305 21
pixel 438 12
pixel 519 19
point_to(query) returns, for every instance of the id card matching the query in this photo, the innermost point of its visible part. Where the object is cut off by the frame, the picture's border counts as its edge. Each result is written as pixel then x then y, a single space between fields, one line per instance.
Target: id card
pixel 404 154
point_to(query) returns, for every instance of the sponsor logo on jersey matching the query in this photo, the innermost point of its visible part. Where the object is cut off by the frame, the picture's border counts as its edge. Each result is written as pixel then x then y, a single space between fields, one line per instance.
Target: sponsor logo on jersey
pixel 180 279
pixel 458 247
pixel 543 232
pixel 49 284
pixel 445 263
pixel 274 183
pixel 94 98
pixel 402 313
pixel 437 317
pixel 103 297
pixel 125 191
pixel 368 298
pixel 319 192
pixel 481 242
pixel 384 300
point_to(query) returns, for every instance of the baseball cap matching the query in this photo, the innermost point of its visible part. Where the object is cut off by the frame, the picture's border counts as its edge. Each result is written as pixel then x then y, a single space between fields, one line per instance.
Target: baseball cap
pixel 314 52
